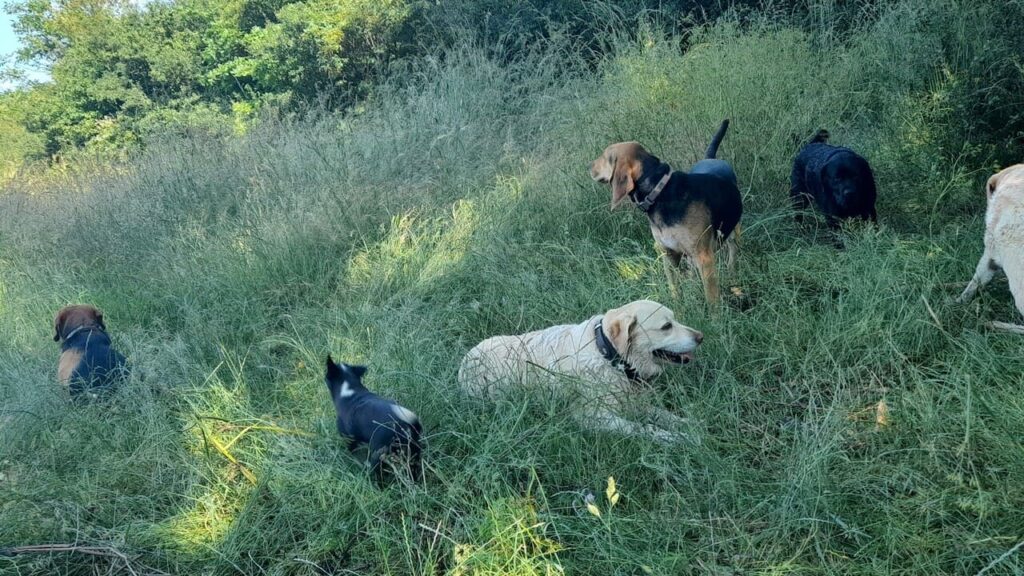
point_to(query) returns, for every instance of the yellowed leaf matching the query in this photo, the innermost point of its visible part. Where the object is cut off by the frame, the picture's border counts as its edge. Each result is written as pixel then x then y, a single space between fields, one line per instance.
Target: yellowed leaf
pixel 882 414
pixel 611 488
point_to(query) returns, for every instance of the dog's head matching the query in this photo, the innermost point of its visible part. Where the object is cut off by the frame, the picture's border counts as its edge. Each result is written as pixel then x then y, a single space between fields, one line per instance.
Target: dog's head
pixel 1015 172
pixel 623 165
pixel 70 318
pixel 343 380
pixel 647 335
pixel 848 177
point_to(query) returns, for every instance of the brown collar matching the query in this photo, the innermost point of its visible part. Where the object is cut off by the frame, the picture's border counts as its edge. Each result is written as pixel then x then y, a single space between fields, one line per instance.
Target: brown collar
pixel 658 188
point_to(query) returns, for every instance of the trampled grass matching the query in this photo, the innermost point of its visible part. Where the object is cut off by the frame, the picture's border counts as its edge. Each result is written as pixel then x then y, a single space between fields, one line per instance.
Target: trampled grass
pixel 457 206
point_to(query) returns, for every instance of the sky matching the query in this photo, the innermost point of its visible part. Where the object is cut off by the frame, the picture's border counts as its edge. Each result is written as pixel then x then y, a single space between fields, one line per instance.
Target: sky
pixel 8 45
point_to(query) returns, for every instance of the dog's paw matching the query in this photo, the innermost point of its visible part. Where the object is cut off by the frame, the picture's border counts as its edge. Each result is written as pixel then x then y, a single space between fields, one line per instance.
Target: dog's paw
pixel 670 438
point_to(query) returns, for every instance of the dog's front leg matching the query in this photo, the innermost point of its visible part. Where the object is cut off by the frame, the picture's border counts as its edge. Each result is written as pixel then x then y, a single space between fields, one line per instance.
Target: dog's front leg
pixel 671 260
pixel 668 418
pixel 982 275
pixel 612 422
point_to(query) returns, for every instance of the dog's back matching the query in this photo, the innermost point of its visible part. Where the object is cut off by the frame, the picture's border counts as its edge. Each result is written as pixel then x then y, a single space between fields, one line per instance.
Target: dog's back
pixel 711 165
pixel 88 361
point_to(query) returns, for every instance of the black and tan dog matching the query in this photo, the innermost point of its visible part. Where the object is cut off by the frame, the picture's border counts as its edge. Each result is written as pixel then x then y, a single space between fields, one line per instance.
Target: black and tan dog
pixel 838 180
pixel 690 213
pixel 87 359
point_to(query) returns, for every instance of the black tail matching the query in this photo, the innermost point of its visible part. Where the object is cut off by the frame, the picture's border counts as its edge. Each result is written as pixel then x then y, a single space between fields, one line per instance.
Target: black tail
pixel 717 140
pixel 820 137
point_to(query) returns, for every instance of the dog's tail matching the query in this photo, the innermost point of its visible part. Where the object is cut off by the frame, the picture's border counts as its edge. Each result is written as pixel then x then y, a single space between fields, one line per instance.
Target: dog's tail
pixel 716 141
pixel 820 137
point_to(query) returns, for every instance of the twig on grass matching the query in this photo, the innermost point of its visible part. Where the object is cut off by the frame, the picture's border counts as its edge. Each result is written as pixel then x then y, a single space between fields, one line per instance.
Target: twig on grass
pixel 996 562
pixel 105 551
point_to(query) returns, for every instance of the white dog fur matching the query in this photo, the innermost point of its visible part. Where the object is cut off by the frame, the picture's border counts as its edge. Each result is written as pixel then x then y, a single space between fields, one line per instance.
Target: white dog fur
pixel 565 359
pixel 1004 239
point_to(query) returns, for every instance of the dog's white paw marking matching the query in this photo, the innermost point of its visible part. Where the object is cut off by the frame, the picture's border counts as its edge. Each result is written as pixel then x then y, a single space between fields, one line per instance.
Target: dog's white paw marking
pixel 404 414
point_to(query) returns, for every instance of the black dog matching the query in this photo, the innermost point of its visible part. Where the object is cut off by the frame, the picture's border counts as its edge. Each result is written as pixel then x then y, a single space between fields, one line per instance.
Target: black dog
pixel 87 360
pixel 366 418
pixel 838 180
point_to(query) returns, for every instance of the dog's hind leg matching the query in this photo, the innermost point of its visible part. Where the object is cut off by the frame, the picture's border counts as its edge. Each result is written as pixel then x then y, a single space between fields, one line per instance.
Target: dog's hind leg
pixel 705 261
pixel 375 464
pixel 982 275
pixel 732 246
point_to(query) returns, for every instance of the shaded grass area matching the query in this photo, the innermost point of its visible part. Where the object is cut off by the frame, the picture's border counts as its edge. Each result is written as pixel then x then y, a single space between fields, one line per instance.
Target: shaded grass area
pixel 456 207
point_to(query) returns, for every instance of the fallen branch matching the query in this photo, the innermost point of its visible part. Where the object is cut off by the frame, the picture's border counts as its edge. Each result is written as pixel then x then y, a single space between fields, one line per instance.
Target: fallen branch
pixel 105 551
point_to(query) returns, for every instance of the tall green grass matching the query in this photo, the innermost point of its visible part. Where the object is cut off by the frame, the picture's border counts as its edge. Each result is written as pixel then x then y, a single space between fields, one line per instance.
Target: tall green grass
pixel 457 205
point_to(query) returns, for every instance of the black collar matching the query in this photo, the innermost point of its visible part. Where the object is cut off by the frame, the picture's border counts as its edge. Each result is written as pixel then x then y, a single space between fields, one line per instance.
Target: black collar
pixel 612 355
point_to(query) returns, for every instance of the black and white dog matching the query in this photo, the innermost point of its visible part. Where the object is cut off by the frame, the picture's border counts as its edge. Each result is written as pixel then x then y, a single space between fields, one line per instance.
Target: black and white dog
pixel 838 179
pixel 366 418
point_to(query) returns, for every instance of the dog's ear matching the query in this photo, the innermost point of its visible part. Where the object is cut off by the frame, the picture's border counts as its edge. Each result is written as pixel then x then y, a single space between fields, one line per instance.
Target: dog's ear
pixel 99 320
pixel 624 177
pixel 333 377
pixel 358 371
pixel 617 325
pixel 57 323
pixel 993 183
pixel 333 370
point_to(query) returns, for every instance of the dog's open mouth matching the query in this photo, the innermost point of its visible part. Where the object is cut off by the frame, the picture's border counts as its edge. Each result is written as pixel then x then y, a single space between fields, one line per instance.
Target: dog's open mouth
pixel 674 357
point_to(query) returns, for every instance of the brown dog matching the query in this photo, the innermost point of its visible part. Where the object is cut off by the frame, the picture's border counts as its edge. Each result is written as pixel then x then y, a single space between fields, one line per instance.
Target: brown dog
pixel 690 214
pixel 87 359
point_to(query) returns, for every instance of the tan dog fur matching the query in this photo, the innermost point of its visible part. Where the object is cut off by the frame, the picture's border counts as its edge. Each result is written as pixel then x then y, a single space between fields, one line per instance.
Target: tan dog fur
pixel 507 363
pixel 1004 239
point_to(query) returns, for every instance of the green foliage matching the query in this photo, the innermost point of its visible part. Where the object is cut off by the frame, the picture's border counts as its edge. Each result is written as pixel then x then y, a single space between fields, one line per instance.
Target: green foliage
pixel 123 71
pixel 18 142
pixel 455 205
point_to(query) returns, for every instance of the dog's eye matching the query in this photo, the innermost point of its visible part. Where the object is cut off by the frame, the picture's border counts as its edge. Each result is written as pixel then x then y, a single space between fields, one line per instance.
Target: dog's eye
pixel 667 326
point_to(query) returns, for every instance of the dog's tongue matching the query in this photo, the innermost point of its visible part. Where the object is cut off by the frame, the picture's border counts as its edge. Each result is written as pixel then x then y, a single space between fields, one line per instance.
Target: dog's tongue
pixel 686 357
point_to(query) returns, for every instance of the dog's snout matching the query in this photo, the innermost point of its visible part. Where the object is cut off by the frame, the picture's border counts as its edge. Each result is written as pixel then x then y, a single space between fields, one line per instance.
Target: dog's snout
pixel 698 336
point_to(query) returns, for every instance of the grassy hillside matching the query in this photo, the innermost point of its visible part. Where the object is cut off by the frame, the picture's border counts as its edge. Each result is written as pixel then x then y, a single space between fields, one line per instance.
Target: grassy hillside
pixel 457 205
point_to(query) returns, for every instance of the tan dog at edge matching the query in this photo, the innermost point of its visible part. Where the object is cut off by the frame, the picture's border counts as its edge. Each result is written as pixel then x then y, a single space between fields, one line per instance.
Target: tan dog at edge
pixel 601 361
pixel 1004 240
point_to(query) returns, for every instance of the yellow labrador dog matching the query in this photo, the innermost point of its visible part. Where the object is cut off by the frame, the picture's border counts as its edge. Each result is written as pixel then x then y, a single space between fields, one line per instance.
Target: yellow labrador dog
pixel 598 363
pixel 1004 240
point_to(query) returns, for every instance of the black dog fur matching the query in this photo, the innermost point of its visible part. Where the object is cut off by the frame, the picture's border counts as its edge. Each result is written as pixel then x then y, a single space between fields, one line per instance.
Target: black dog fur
pixel 366 418
pixel 711 182
pixel 837 179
